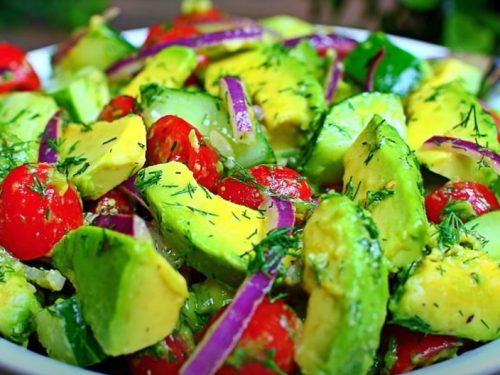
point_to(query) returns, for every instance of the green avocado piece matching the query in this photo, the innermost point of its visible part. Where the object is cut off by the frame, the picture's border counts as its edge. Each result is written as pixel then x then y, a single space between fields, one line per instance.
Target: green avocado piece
pixel 208 115
pixel 190 218
pixel 290 96
pixel 287 26
pixel 450 293
pixel 66 336
pixel 97 45
pixel 323 163
pixel 398 71
pixel 347 277
pixel 129 294
pixel 449 110
pixel 23 117
pixel 19 304
pixel 82 93
pixel 449 69
pixel 171 67
pixel 383 175
pixel 487 227
pixel 307 55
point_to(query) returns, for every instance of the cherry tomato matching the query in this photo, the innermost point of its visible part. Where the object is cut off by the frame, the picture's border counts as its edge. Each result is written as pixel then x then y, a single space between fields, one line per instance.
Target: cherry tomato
pixel 173 139
pixel 276 179
pixel 162 33
pixel 15 71
pixel 196 17
pixel 37 207
pixel 113 202
pixel 408 350
pixel 120 106
pixel 167 362
pixel 267 343
pixel 465 199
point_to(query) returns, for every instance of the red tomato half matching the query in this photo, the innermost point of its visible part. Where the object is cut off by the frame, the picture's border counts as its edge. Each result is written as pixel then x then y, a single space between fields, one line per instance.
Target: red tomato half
pixel 409 350
pixel 165 32
pixel 466 199
pixel 15 71
pixel 113 202
pixel 267 344
pixel 118 107
pixel 276 179
pixel 168 362
pixel 173 139
pixel 37 207
pixel 196 17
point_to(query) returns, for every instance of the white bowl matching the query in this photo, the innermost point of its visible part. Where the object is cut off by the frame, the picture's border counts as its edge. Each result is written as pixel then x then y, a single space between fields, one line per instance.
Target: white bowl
pixel 14 359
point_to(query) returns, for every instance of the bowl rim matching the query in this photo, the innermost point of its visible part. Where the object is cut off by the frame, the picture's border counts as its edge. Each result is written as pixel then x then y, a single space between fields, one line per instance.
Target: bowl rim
pixel 15 359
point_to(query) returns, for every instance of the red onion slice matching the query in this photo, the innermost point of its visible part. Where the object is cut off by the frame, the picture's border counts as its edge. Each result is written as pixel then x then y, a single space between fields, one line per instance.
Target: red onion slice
pixel 131 225
pixel 47 153
pixel 372 69
pixel 128 187
pixel 333 76
pixel 466 148
pixel 323 42
pixel 279 213
pixel 132 64
pixel 221 339
pixel 233 95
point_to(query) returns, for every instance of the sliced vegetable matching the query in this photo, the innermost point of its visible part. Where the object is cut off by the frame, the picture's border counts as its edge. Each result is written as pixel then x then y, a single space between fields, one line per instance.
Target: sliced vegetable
pixel 372 69
pixel 221 339
pixel 465 199
pixel 233 94
pixel 52 280
pixel 48 143
pixel 131 225
pixel 128 187
pixel 15 71
pixel 333 76
pixel 113 202
pixel 120 106
pixel 466 148
pixel 279 213
pixel 323 42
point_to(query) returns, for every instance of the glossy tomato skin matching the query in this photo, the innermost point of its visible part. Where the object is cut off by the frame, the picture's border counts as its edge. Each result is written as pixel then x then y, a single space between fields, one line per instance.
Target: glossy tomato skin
pixel 466 199
pixel 197 17
pixel 275 179
pixel 169 362
pixel 408 350
pixel 113 202
pixel 165 32
pixel 267 343
pixel 37 208
pixel 173 139
pixel 120 106
pixel 15 71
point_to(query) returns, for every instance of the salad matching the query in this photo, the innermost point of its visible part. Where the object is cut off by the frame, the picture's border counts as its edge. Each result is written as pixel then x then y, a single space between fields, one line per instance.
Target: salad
pixel 240 197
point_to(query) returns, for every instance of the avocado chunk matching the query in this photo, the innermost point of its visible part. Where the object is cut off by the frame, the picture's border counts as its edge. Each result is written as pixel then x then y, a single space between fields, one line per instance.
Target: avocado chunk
pixel 342 125
pixel 208 115
pixel 290 96
pixel 398 71
pixel 287 26
pixel 99 157
pixel 487 226
pixel 129 294
pixel 18 301
pixel 451 293
pixel 169 68
pixel 383 175
pixel 97 45
pixel 347 277
pixel 190 218
pixel 448 70
pixel 65 335
pixel 82 93
pixel 23 117
pixel 449 110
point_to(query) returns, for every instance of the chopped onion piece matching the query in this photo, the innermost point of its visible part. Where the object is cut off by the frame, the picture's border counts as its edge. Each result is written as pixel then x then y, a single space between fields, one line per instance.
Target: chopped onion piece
pixel 372 69
pixel 279 213
pixel 323 42
pixel 333 77
pixel 131 225
pixel 128 187
pixel 47 153
pixel 466 148
pixel 233 94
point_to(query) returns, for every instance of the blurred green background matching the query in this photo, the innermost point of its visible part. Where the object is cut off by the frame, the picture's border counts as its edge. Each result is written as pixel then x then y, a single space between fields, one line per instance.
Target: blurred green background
pixel 463 25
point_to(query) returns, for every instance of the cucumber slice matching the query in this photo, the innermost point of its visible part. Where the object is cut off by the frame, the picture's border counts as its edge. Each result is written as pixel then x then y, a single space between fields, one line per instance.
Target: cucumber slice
pixel 207 114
